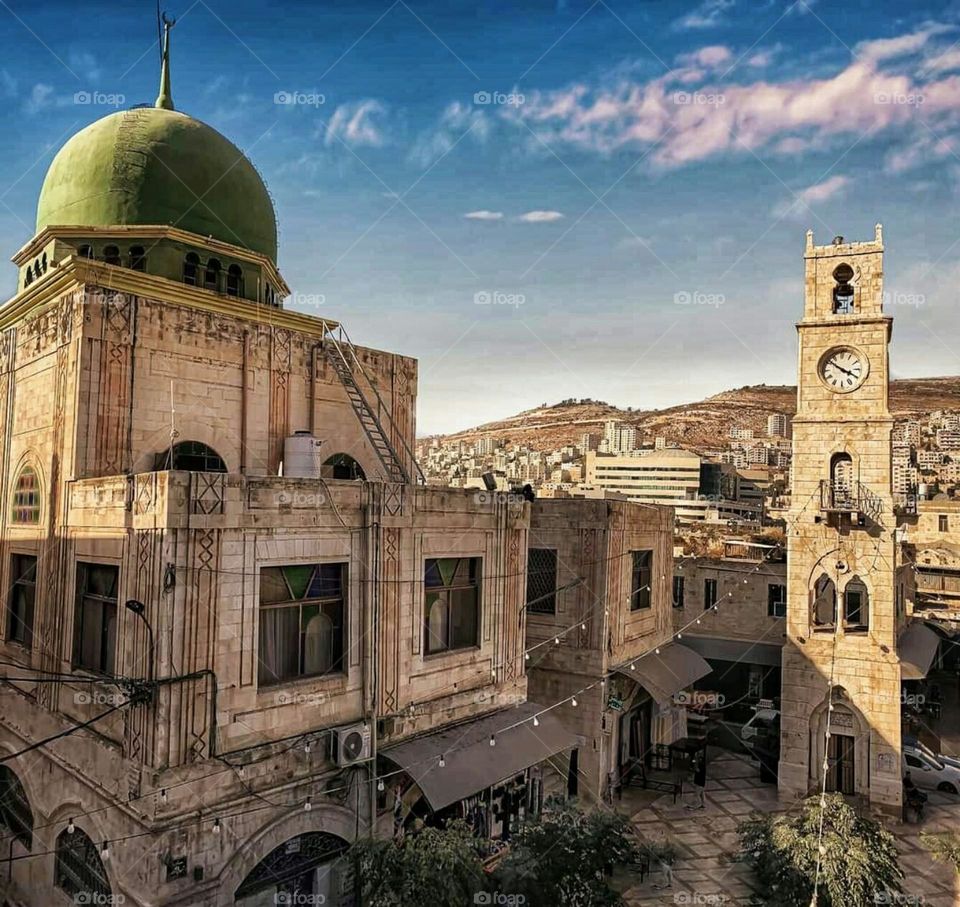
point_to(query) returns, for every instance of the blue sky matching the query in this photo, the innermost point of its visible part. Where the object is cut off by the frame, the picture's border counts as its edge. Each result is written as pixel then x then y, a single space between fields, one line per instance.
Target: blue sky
pixel 586 167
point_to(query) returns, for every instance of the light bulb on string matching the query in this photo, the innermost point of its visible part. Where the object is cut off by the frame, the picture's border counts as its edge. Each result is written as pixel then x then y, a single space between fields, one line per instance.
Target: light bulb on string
pixel 536 721
pixel 307 806
pixel 105 851
pixel 163 795
pixel 442 763
pixel 493 740
pixel 216 826
pixel 573 701
pixel 526 656
pixel 71 828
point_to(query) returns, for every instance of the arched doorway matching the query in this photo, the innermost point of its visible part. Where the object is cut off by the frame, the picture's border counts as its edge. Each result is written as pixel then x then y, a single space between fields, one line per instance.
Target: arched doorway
pixel 191 456
pixel 342 466
pixel 78 868
pixel 15 813
pixel 300 870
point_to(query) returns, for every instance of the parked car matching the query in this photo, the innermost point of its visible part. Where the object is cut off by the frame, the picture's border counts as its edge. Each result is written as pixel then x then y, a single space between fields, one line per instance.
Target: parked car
pixel 911 744
pixel 929 773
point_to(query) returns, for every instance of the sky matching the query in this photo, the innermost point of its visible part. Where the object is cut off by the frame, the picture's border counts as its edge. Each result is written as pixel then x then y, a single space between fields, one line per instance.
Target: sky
pixel 583 198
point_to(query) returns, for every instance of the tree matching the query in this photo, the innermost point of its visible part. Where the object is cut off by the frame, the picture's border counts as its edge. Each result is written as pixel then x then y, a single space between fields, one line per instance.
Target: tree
pixel 858 857
pixel 565 859
pixel 429 867
pixel 944 846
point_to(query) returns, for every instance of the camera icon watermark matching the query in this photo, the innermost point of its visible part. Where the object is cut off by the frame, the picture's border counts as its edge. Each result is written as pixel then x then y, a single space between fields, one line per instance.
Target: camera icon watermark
pixel 94 898
pixel 898 897
pixel 699 699
pixel 499 98
pixel 299 899
pixel 99 99
pixel 699 99
pixel 299 98
pixel 300 500
pixel 699 897
pixel 686 297
pixel 496 297
pixel 899 98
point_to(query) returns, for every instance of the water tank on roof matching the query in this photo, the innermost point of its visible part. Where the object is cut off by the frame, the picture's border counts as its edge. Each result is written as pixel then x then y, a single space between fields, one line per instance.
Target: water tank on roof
pixel 301 456
pixel 923 491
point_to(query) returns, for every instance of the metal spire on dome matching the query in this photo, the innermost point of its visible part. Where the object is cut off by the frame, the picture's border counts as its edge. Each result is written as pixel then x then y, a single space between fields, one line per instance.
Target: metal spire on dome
pixel 165 99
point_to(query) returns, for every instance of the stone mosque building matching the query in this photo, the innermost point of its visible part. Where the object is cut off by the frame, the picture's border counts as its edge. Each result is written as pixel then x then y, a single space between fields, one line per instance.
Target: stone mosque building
pixel 239 632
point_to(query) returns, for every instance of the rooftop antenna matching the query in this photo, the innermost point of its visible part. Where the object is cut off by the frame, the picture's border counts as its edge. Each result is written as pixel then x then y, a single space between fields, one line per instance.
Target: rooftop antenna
pixel 164 99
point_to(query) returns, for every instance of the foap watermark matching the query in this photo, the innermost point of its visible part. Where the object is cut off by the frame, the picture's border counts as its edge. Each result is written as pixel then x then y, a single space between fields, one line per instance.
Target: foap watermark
pixel 489 498
pixel 898 897
pixel 308 300
pixel 294 697
pixel 894 297
pixel 300 499
pixel 899 98
pixel 695 297
pixel 494 898
pixel 699 699
pixel 699 897
pixel 499 98
pixel 904 698
pixel 299 899
pixel 699 99
pixel 98 897
pixel 99 697
pixel 496 297
pixel 99 99
pixel 299 98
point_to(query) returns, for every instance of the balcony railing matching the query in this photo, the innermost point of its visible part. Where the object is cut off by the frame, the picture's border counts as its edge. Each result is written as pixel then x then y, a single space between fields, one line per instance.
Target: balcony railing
pixel 854 498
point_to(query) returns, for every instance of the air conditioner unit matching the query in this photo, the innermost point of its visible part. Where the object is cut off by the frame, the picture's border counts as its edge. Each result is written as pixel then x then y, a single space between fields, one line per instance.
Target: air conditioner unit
pixel 352 744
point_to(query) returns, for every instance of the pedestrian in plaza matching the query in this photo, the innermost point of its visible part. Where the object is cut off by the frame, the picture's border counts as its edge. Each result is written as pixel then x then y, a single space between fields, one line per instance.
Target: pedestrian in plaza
pixel 699 779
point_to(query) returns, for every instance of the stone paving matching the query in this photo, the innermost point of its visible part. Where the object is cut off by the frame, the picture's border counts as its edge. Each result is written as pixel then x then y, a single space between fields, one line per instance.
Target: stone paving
pixel 706 840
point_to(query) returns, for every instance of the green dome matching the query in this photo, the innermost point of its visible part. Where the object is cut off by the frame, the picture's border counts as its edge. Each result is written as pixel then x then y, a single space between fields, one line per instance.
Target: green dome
pixel 150 166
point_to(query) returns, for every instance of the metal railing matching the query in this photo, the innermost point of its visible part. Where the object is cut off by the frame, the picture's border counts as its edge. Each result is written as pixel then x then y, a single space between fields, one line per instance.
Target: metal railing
pixel 854 497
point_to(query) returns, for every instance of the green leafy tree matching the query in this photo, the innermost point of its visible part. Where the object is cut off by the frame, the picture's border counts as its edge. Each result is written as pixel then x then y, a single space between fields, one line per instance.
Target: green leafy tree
pixel 565 859
pixel 944 846
pixel 858 857
pixel 433 866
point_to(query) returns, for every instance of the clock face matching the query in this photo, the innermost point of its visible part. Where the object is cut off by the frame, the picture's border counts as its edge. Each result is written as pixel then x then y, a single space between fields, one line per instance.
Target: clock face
pixel 843 369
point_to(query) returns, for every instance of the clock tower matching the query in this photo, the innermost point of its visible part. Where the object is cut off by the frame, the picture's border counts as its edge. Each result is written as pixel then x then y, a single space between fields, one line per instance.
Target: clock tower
pixel 841 673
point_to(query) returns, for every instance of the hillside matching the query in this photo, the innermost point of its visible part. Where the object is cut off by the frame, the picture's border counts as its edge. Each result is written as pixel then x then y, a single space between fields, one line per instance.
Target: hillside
pixel 701 425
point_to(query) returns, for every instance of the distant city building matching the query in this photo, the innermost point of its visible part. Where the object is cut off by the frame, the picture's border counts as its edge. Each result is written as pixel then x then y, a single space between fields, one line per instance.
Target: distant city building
pixel 777 425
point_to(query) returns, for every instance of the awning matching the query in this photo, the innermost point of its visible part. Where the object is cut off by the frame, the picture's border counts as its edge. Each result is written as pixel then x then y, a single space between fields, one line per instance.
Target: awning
pixel 673 670
pixel 470 763
pixel 917 647
pixel 739 650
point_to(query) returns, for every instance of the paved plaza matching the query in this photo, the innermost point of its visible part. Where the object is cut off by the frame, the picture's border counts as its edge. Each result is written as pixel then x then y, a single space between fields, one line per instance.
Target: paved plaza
pixel 705 871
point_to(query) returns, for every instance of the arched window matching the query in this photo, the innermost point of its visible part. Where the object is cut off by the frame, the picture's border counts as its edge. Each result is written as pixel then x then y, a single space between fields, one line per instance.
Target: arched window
pixel 43 263
pixel 310 868
pixel 78 869
pixel 138 258
pixel 85 251
pixel 26 497
pixel 318 639
pixel 342 466
pixel 211 275
pixel 191 268
pixel 28 276
pixel 15 813
pixel 111 255
pixel 234 281
pixel 191 456
pixel 841 481
pixel 856 605
pixel 824 602
pixel 843 291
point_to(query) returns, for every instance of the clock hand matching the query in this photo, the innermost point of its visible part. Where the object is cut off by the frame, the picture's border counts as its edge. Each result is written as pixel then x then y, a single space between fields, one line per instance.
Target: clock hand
pixel 844 370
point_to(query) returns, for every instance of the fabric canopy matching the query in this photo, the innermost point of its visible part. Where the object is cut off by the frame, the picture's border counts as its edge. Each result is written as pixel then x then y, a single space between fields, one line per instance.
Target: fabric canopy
pixel 739 650
pixel 471 764
pixel 918 646
pixel 675 668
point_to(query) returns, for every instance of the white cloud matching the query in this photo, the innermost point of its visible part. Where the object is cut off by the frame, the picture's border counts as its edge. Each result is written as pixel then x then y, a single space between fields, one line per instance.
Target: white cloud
pixel 355 124
pixel 707 57
pixel 484 215
pixel 811 195
pixel 539 217
pixel 708 119
pixel 706 15
pixel 86 65
pixel 901 45
pixel 457 123
pixel 41 97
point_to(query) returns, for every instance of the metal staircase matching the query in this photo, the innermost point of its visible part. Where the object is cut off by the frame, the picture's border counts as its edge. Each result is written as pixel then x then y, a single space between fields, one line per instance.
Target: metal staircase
pixel 341 354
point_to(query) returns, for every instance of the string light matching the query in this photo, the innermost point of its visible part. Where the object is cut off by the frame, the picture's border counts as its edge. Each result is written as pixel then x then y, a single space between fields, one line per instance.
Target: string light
pixel 380 785
pixel 105 851
pixel 163 795
pixel 216 826
pixel 442 763
pixel 573 701
pixel 536 721
pixel 71 828
pixel 493 740
pixel 308 805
